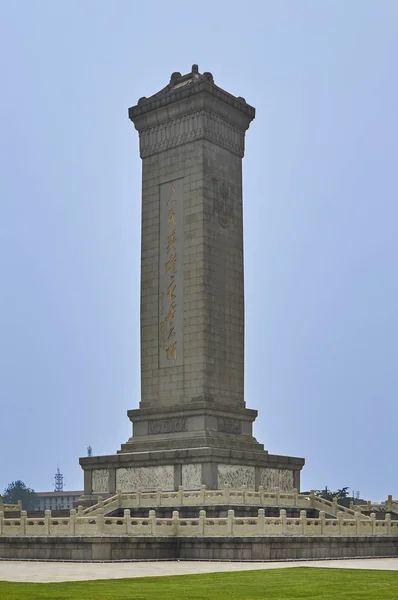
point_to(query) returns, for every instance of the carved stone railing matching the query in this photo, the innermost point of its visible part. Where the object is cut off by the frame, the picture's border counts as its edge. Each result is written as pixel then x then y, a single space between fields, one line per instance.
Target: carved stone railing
pixel 389 505
pixel 78 524
pixel 10 507
pixel 204 497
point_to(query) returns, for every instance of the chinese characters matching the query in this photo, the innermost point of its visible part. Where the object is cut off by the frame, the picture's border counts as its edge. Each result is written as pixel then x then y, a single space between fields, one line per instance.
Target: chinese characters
pixel 168 303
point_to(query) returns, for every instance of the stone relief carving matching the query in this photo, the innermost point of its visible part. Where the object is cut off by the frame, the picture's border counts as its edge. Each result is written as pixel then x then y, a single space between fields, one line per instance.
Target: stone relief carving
pixel 228 425
pixel 100 481
pixel 173 425
pixel 200 124
pixel 191 476
pixel 277 478
pixel 223 202
pixel 202 398
pixel 234 476
pixel 145 478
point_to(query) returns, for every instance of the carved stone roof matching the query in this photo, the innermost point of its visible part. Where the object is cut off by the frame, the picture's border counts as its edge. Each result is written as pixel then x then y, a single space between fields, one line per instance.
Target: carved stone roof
pixel 179 82
pixel 181 87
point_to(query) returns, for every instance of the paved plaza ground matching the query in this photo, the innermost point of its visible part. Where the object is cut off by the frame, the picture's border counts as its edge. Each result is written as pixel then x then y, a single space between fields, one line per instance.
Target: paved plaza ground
pixel 68 571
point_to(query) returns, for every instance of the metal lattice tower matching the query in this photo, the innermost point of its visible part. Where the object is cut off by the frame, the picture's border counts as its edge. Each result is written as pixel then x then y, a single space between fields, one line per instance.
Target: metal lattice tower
pixel 58 481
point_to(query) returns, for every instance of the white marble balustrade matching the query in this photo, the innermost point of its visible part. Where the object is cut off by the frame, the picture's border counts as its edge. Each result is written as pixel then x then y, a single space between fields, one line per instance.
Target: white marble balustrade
pixel 78 524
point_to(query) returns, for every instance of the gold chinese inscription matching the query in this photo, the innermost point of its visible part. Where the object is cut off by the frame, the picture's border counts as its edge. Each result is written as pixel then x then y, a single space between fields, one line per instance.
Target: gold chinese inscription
pixel 168 300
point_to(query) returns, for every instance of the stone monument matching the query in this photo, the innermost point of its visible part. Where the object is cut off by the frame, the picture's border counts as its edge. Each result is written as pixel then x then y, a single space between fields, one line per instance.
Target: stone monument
pixel 192 426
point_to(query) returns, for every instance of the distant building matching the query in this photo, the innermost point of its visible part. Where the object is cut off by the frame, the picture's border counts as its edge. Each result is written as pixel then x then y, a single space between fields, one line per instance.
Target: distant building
pixel 58 500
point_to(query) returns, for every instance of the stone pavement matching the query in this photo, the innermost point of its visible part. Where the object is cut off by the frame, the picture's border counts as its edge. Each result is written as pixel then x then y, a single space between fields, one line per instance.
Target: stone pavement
pixel 64 571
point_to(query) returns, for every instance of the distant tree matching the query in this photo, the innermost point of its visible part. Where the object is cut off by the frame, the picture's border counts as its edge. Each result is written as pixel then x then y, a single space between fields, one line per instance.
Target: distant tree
pixel 17 490
pixel 89 451
pixel 326 494
pixel 342 493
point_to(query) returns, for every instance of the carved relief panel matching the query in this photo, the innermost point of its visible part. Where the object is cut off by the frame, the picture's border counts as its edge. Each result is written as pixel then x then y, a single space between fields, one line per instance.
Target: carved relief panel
pixel 171 274
pixel 141 478
pixel 234 476
pixel 277 478
pixel 100 481
pixel 172 425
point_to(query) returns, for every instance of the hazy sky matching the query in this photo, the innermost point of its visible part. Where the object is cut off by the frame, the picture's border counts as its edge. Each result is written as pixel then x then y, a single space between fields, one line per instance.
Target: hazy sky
pixel 320 209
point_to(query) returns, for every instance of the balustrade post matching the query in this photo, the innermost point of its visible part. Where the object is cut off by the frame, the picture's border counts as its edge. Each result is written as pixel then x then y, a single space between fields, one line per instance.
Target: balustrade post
pixel 303 519
pixel 340 518
pixel 80 511
pixel 119 498
pixel 373 517
pixel 389 502
pixel 312 498
pixel 99 517
pixel 202 522
pixel 176 522
pixel 1 522
pixel 138 494
pixel 244 490
pixel 358 519
pixel 152 519
pixel 180 495
pixel 72 521
pixel 20 506
pixel 22 527
pixel 231 519
pixel 335 506
pixel 127 520
pixel 159 497
pixel 261 521
pixel 282 516
pixel 277 496
pixel 322 519
pixel 261 494
pixel 295 496
pixel 47 521
pixel 388 523
pixel 202 494
pixel 226 494
pixel 100 501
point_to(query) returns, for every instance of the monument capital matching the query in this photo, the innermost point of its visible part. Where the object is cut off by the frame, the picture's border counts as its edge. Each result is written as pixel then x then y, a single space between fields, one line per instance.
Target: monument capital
pixel 191 107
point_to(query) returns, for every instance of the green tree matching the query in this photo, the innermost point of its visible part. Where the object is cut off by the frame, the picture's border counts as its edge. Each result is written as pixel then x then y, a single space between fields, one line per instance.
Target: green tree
pixel 342 493
pixel 17 490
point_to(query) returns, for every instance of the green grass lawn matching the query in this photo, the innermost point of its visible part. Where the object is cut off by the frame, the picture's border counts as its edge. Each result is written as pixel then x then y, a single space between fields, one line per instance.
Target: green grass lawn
pixel 278 584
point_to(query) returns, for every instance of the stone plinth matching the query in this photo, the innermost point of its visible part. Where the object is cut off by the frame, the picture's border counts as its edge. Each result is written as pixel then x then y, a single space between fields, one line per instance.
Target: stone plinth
pixel 192 426
pixel 213 466
pixel 262 548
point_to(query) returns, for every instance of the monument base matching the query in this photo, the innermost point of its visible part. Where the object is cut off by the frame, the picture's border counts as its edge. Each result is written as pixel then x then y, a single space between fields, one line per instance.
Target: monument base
pixel 190 445
pixel 213 467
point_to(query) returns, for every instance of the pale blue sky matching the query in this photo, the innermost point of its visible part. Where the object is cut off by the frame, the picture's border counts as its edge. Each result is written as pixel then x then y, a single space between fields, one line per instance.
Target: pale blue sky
pixel 321 224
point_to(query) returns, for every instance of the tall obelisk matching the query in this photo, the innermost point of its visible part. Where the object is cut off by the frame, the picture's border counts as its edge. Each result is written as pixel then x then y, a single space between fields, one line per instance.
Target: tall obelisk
pixel 192 426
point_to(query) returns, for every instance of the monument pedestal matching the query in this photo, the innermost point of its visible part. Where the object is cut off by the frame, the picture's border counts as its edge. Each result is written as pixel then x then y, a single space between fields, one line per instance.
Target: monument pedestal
pixel 189 467
pixel 190 446
pixel 192 427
